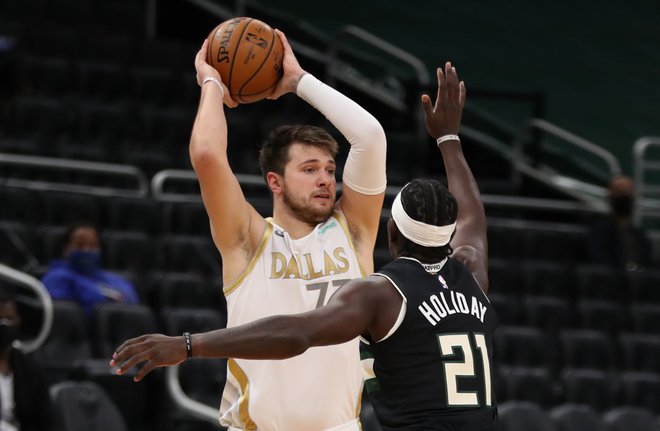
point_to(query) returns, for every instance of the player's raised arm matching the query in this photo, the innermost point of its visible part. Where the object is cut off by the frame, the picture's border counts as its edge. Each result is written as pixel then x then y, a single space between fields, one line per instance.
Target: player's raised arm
pixel 364 178
pixel 229 213
pixel 443 122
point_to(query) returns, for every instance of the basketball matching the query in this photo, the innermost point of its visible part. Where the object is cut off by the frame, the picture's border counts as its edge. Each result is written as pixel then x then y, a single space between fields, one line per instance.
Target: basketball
pixel 248 55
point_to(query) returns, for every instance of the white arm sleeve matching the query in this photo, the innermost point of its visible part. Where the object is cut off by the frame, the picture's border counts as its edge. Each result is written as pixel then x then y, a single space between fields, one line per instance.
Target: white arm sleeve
pixel 365 166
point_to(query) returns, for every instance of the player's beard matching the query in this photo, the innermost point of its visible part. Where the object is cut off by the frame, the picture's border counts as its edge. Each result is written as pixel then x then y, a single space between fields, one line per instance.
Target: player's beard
pixel 306 212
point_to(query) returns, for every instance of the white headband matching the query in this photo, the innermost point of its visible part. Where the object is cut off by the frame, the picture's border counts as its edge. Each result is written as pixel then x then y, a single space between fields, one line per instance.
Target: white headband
pixel 418 232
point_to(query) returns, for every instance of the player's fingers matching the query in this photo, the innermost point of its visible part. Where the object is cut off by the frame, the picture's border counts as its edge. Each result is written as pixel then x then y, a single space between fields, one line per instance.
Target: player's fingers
pixel 285 41
pixel 442 86
pixel 463 94
pixel 201 54
pixel 129 363
pixel 146 368
pixel 452 82
pixel 426 105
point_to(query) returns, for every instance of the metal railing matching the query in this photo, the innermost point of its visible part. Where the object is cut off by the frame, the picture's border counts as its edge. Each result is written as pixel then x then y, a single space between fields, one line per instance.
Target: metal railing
pixel 648 193
pixel 336 69
pixel 191 406
pixel 109 170
pixel 26 281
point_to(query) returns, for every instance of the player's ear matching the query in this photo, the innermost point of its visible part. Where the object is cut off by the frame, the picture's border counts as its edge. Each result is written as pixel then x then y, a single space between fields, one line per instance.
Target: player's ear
pixel 393 233
pixel 274 183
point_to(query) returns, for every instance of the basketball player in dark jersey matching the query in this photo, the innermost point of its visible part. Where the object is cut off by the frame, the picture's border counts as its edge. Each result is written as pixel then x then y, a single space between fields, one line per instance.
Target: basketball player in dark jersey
pixel 426 315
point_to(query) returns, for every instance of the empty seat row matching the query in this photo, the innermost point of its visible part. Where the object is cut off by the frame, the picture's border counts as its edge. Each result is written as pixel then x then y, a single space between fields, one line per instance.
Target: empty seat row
pixel 32 208
pixel 525 416
pixel 553 314
pixel 104 81
pixel 574 348
pixel 75 337
pixel 578 280
pixel 598 389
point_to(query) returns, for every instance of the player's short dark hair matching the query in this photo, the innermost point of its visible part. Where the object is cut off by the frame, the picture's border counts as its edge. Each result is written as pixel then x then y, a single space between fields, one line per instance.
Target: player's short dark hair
pixel 274 153
pixel 428 201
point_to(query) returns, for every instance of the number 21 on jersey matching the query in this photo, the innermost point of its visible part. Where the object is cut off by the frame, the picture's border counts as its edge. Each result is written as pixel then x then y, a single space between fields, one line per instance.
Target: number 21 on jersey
pixel 465 368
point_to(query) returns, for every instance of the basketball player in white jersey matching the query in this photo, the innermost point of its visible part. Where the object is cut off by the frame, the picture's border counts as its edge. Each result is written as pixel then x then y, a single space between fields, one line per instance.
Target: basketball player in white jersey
pixel 297 260
pixel 426 314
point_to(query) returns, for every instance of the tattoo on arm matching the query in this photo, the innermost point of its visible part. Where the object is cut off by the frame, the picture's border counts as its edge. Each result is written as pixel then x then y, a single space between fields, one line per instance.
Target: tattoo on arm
pixel 296 80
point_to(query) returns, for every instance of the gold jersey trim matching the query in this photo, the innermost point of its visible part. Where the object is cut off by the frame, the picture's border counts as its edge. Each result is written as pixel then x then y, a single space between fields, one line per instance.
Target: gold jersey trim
pixel 243 401
pixel 257 254
pixel 344 225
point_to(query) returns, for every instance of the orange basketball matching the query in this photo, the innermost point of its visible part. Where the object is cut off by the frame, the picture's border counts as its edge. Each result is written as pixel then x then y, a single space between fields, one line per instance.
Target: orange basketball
pixel 248 55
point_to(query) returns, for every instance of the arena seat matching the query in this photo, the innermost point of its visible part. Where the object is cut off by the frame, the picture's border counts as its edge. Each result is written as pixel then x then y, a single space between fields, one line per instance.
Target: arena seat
pixel 147 84
pixel 576 417
pixel 628 418
pixel 504 276
pixel 530 384
pixel 640 390
pixel 184 289
pixel 547 278
pixel 50 241
pixel 115 323
pixel 523 416
pixel 184 253
pixel 132 214
pixel 521 346
pixel 645 318
pixel 583 348
pixel 548 313
pixel 44 76
pixel 48 122
pixel 189 218
pixel 644 286
pixel 592 387
pixel 600 282
pixel 509 308
pixel 102 81
pixel 17 244
pixel 66 208
pixel 84 406
pixel 27 206
pixel 640 352
pixel 606 316
pixel 127 251
pixel 68 341
pixel 177 320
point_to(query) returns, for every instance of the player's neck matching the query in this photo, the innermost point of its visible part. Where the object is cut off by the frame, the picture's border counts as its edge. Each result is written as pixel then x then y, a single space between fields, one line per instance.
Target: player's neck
pixel 291 223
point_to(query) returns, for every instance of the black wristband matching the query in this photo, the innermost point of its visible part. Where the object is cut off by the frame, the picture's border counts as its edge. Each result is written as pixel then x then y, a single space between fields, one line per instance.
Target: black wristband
pixel 186 338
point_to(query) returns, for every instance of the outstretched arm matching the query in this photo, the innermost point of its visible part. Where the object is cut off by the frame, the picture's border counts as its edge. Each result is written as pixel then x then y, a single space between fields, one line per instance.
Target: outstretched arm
pixel 350 312
pixel 364 179
pixel 442 119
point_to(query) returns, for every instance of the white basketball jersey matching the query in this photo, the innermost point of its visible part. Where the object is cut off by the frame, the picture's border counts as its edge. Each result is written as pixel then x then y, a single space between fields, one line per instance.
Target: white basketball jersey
pixel 320 389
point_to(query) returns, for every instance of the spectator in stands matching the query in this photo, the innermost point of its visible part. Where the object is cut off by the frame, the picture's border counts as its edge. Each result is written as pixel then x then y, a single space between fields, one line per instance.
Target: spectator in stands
pixel 79 276
pixel 615 240
pixel 422 313
pixel 24 399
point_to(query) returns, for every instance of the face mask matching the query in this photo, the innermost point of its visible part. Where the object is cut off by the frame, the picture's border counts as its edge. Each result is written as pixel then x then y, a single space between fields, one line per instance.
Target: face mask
pixel 85 261
pixel 8 334
pixel 622 205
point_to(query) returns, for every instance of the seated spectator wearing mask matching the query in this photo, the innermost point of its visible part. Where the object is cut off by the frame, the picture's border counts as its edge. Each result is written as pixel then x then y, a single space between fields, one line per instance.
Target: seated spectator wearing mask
pixel 616 241
pixel 78 275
